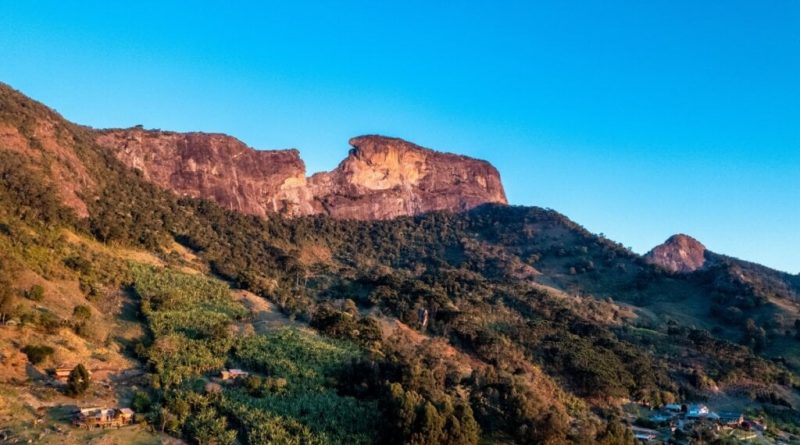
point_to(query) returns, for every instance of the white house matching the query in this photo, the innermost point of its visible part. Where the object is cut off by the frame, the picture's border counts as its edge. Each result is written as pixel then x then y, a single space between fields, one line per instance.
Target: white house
pixel 695 411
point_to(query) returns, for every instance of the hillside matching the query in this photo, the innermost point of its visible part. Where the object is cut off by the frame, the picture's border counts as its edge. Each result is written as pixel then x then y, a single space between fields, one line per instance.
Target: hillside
pixel 537 331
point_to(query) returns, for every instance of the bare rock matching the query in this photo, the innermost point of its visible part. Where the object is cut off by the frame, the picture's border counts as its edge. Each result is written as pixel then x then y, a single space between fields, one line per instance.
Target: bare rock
pixel 380 178
pixel 680 253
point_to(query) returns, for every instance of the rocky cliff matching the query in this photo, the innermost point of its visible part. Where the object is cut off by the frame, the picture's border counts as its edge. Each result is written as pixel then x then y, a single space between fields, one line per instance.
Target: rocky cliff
pixel 380 178
pixel 217 167
pixel 680 253
pixel 388 177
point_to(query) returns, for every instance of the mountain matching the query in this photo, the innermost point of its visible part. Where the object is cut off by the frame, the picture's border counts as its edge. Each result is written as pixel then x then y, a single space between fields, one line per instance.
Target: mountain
pixel 380 178
pixel 679 253
pixel 361 317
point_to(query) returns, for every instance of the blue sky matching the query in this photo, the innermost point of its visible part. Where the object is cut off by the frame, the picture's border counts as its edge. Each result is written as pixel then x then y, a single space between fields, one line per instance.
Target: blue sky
pixel 636 119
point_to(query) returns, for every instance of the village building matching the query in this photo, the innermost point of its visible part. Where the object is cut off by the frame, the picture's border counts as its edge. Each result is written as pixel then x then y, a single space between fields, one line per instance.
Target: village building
pixel 644 434
pixel 95 417
pixel 661 417
pixel 61 374
pixel 731 418
pixel 233 374
pixel 696 411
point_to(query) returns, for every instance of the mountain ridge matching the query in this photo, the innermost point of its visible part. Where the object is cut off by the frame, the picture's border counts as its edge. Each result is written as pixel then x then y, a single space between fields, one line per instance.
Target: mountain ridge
pixel 381 177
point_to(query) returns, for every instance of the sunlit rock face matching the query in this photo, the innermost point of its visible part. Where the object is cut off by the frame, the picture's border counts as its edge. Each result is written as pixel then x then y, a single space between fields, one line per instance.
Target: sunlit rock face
pixel 380 178
pixel 388 177
pixel 680 253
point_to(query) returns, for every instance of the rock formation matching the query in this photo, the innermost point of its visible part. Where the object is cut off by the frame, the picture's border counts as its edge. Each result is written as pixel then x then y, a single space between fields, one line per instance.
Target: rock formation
pixel 680 253
pixel 216 167
pixel 380 178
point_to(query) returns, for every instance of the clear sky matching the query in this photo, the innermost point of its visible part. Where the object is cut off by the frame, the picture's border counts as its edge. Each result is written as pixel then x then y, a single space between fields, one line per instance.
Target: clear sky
pixel 636 119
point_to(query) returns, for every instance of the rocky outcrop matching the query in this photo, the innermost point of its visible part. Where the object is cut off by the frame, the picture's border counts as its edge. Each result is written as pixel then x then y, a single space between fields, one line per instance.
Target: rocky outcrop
pixel 388 177
pixel 380 178
pixel 680 253
pixel 216 167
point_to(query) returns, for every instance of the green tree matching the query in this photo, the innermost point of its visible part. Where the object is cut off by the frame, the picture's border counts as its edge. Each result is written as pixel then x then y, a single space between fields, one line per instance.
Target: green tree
pixel 78 381
pixel 141 401
pixel 754 336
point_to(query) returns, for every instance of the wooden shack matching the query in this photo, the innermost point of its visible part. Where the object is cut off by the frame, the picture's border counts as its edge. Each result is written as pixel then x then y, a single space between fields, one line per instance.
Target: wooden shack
pixel 61 374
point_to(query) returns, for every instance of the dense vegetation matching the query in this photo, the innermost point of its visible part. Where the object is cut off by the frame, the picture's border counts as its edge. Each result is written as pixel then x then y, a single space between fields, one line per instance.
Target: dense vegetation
pixel 528 364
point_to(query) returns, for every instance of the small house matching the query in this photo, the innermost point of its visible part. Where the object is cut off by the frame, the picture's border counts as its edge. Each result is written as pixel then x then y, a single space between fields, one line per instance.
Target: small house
pixel 644 434
pixel 91 418
pixel 62 374
pixel 233 374
pixel 731 418
pixel 696 411
pixel 673 408
pixel 126 415
pixel 661 417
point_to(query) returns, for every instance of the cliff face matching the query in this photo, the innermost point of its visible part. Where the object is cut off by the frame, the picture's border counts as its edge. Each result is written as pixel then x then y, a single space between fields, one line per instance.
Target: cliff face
pixel 216 167
pixel 388 177
pixel 680 253
pixel 381 177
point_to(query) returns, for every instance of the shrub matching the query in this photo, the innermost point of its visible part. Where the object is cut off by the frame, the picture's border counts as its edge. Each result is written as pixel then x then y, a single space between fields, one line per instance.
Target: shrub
pixel 49 321
pixel 78 381
pixel 141 402
pixel 37 353
pixel 78 264
pixel 35 293
pixel 82 313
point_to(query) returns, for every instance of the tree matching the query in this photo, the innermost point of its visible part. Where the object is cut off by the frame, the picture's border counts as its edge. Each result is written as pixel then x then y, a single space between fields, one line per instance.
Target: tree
pixel 35 293
pixel 616 433
pixel 755 336
pixel 7 303
pixel 78 381
pixel 81 316
pixel 37 353
pixel 7 295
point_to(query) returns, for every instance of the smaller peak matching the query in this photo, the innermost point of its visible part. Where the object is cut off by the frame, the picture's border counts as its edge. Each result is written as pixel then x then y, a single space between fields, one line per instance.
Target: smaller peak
pixel 679 253
pixel 684 240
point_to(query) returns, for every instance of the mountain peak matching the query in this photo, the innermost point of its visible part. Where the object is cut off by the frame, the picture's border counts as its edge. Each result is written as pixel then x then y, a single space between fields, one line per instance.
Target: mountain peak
pixel 679 253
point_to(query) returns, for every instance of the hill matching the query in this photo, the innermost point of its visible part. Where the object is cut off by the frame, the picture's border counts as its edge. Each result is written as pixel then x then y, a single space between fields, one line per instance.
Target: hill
pixel 514 324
